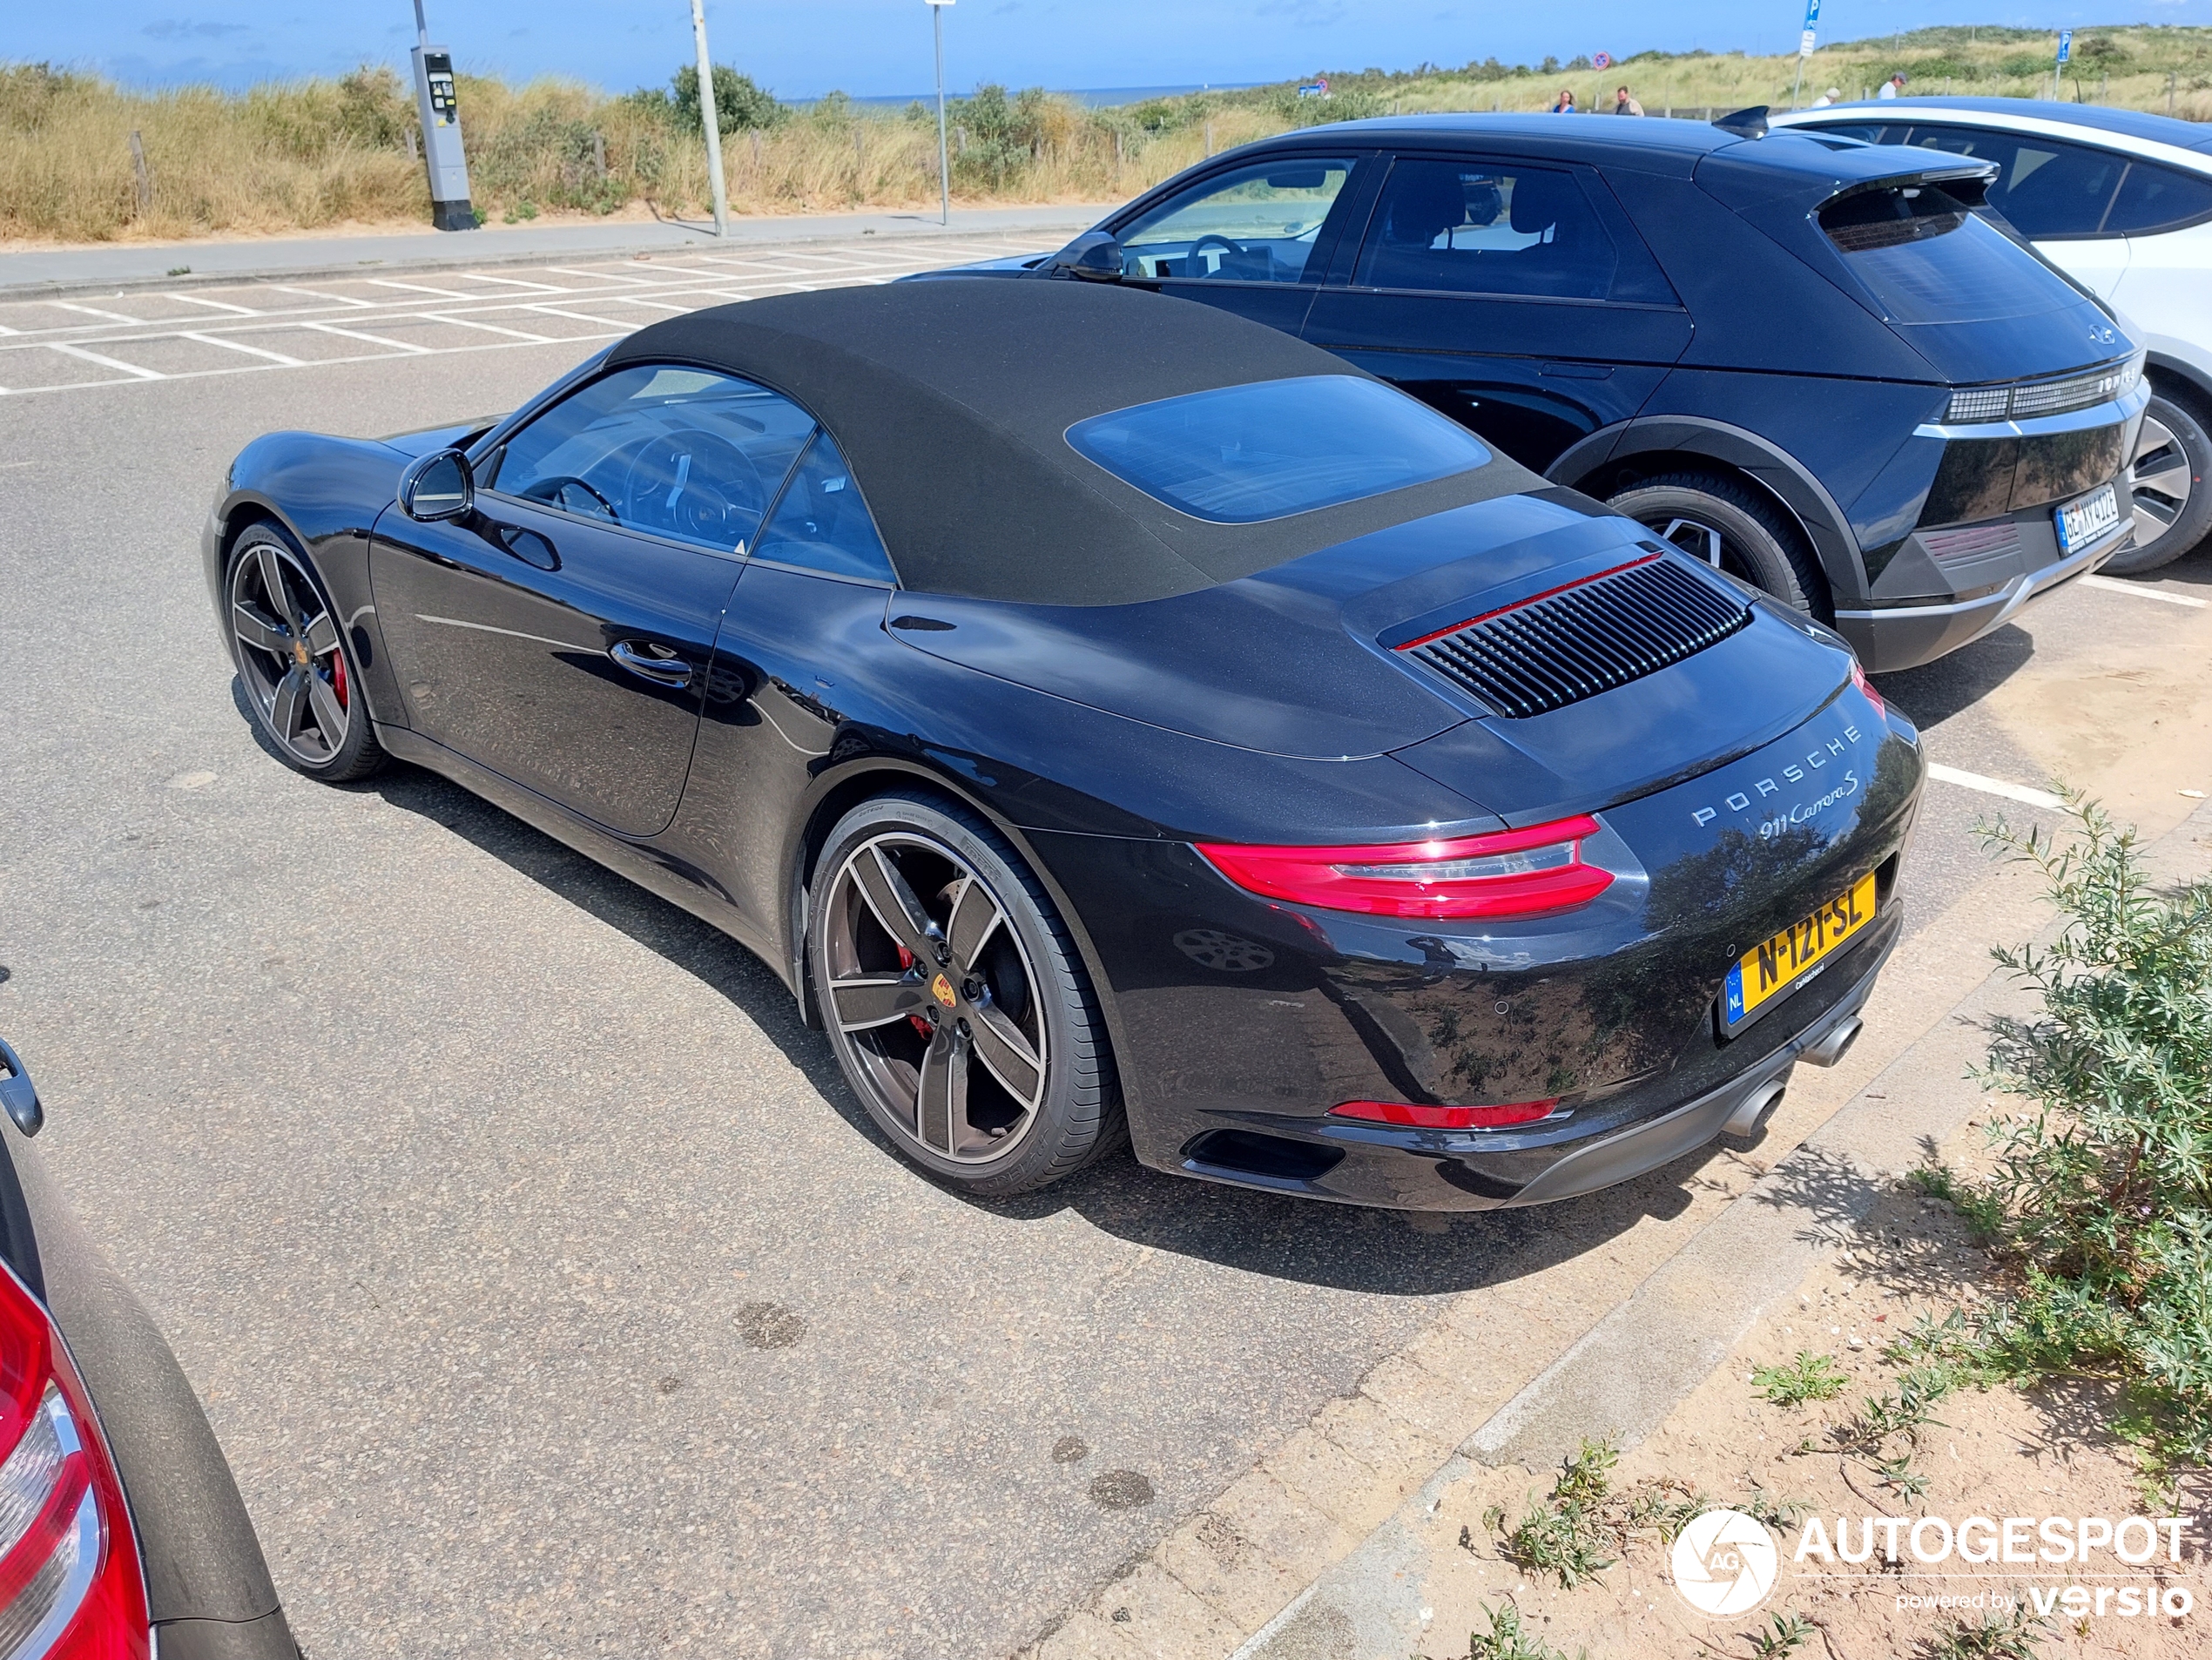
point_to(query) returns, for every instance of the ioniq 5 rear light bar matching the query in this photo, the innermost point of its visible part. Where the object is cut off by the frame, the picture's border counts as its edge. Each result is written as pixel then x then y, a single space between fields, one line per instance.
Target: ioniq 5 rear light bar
pixel 72 1587
pixel 1506 875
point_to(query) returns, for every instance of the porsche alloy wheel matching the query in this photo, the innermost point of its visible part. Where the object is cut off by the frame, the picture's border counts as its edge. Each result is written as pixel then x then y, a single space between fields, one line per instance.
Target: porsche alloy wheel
pixel 958 1010
pixel 292 663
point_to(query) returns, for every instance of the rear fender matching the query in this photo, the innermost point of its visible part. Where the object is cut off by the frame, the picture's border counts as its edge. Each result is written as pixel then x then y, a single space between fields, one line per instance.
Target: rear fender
pixel 1600 464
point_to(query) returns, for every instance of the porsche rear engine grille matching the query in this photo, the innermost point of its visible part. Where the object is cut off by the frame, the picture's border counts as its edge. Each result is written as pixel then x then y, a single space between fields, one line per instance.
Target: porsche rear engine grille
pixel 1588 638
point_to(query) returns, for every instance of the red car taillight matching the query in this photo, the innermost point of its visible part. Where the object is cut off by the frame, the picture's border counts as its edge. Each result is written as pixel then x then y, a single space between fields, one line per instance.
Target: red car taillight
pixel 1505 876
pixel 1859 678
pixel 71 1585
pixel 1404 1112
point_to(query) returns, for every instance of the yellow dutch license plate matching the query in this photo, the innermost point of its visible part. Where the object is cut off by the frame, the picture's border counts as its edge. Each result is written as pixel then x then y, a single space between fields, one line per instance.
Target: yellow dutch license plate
pixel 1762 975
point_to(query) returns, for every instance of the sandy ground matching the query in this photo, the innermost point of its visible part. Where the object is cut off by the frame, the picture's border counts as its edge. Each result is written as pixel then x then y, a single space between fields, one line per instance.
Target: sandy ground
pixel 1997 1453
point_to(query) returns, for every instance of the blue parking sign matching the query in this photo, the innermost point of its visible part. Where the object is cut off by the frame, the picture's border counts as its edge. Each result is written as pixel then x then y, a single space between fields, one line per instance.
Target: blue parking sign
pixel 2066 45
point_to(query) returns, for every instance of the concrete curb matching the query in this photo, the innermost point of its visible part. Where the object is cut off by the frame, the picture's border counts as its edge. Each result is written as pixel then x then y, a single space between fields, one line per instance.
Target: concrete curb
pixel 769 235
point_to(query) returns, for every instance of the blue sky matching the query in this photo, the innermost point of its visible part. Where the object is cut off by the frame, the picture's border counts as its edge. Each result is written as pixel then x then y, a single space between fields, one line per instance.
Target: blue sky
pixel 801 48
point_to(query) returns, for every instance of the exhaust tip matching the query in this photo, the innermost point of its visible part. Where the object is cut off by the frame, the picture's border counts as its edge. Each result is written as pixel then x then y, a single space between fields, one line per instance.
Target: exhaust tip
pixel 1754 1109
pixel 1831 1048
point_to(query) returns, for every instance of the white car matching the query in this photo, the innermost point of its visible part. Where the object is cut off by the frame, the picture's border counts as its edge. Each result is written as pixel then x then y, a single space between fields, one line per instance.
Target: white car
pixel 2121 202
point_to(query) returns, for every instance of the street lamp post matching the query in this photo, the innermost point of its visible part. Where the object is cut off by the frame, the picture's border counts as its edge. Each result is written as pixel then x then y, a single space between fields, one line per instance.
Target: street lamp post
pixel 710 120
pixel 944 161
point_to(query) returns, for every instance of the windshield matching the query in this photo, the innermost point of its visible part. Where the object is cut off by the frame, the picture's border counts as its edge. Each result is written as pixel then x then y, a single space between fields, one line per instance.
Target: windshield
pixel 1927 257
pixel 1266 450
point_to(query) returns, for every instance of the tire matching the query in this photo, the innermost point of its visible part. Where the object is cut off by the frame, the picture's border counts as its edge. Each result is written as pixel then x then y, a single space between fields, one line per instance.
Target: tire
pixel 943 1013
pixel 1733 526
pixel 293 662
pixel 2172 508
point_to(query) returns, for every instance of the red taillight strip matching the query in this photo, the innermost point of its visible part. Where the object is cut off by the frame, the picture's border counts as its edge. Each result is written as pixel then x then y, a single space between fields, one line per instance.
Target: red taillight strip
pixel 97 1606
pixel 1425 1117
pixel 1313 876
pixel 1578 582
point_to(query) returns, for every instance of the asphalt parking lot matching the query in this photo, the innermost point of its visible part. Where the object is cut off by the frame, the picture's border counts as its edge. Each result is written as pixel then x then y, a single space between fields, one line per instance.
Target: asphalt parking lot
pixel 547 1289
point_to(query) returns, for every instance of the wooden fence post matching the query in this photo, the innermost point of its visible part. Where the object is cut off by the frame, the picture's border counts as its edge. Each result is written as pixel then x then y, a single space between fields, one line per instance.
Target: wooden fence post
pixel 411 154
pixel 141 177
pixel 599 155
pixel 755 136
pixel 1210 138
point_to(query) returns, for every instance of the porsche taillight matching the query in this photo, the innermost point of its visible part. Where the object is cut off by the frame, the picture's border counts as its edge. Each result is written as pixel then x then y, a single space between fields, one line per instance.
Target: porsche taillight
pixel 1866 688
pixel 70 1584
pixel 1503 876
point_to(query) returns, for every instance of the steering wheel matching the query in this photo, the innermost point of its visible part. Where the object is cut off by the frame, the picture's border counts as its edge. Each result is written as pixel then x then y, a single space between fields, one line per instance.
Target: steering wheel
pixel 1198 248
pixel 561 489
pixel 695 484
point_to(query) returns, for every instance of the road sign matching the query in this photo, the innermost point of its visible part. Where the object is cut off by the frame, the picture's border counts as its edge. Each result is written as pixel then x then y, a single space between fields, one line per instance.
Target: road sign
pixel 1603 60
pixel 2066 45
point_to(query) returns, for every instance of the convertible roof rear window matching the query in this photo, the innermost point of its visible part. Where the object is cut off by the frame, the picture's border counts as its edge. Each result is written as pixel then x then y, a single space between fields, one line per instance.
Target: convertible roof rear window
pixel 1267 449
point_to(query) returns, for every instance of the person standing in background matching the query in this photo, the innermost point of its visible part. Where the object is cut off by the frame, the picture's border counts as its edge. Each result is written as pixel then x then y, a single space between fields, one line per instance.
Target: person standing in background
pixel 1827 97
pixel 1564 103
pixel 1892 86
pixel 1624 105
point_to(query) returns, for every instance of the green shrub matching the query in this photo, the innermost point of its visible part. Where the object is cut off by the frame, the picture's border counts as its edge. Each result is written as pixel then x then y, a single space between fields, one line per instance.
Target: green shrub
pixel 740 104
pixel 2102 1192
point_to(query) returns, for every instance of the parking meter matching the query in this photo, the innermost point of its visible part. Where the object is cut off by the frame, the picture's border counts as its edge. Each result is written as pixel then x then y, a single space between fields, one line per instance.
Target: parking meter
pixel 441 116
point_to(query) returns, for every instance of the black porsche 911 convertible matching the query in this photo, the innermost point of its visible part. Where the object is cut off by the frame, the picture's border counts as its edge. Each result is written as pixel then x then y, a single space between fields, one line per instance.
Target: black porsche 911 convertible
pixel 1103 711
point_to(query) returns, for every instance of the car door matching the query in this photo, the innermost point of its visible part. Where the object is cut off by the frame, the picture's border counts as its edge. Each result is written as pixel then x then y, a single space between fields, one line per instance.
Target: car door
pixel 790 660
pixel 2057 194
pixel 1253 237
pixel 1515 297
pixel 562 632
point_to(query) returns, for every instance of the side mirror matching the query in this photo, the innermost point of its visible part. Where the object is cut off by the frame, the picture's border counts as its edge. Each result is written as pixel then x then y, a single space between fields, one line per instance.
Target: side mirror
pixel 1094 256
pixel 437 486
pixel 17 1095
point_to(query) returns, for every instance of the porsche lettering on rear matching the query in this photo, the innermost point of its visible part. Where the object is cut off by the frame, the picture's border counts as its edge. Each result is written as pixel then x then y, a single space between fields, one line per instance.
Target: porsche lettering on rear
pixel 1792 772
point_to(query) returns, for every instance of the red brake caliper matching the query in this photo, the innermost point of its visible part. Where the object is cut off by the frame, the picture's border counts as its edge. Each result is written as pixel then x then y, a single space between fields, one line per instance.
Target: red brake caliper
pixel 338 677
pixel 906 960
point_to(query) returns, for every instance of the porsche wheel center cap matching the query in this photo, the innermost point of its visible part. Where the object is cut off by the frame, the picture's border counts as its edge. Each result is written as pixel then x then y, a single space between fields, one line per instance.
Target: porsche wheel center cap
pixel 300 652
pixel 942 990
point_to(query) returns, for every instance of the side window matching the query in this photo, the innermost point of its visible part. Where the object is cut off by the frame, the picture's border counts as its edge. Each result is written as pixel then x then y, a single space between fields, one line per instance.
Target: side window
pixel 678 452
pixel 1257 223
pixel 822 523
pixel 1872 132
pixel 2154 198
pixel 2045 187
pixel 1466 227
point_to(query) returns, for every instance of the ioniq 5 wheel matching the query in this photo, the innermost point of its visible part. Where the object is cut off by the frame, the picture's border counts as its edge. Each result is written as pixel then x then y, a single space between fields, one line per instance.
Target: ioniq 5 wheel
pixel 1731 526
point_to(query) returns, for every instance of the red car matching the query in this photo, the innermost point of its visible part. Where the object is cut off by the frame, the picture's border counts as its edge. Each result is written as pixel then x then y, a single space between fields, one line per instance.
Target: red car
pixel 122 1534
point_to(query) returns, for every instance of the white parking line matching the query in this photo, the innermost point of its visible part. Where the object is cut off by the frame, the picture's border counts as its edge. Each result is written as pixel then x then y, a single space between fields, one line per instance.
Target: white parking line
pixel 2019 792
pixel 468 323
pixel 240 345
pixel 373 340
pixel 2113 586
pixel 93 311
pixel 214 305
pixel 106 362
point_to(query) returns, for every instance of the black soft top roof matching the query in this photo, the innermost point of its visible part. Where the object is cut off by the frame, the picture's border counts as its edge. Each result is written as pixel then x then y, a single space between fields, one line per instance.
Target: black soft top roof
pixel 951 398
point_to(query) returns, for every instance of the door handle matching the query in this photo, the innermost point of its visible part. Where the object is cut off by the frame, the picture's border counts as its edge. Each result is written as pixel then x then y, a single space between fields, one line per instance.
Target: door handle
pixel 661 671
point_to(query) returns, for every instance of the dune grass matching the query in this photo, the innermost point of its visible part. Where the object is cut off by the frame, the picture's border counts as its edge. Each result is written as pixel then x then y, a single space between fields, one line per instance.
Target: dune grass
pixel 315 153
